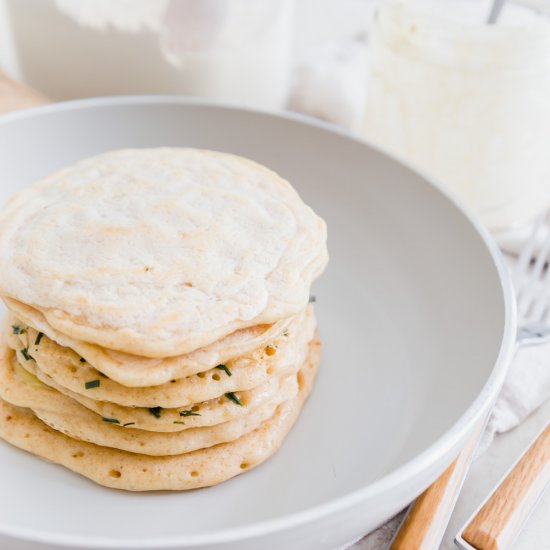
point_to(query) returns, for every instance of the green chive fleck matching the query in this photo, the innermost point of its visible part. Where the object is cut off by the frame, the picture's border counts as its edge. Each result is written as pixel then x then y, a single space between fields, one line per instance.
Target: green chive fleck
pixel 128 424
pixel 233 397
pixel 111 420
pixel 224 368
pixel 155 411
pixel 312 299
pixel 179 422
pixel 285 333
pixel 189 412
pixel 38 338
pixel 18 330
pixel 82 360
pixel 26 354
pixel 92 384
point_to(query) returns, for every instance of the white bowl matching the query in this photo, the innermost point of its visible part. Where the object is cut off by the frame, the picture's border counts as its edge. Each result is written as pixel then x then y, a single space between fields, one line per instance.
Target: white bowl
pixel 416 316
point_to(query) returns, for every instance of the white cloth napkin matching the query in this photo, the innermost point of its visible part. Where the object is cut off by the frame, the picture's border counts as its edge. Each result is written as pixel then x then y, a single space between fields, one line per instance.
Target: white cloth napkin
pixel 526 388
pixel 330 82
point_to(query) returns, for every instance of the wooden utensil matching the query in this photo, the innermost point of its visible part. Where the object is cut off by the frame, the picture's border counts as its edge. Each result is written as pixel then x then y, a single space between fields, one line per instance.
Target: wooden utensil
pixel 426 522
pixel 14 95
pixel 498 520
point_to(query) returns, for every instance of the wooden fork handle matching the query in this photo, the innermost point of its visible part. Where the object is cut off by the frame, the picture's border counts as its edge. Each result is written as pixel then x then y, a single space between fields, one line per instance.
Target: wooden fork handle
pixel 14 95
pixel 499 520
pixel 427 519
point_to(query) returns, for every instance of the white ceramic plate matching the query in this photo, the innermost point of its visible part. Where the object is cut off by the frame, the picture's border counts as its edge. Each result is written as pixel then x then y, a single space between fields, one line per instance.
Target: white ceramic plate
pixel 415 315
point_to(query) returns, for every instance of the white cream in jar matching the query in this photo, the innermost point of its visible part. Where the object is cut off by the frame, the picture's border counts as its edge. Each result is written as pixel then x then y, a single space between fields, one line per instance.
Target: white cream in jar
pixel 467 102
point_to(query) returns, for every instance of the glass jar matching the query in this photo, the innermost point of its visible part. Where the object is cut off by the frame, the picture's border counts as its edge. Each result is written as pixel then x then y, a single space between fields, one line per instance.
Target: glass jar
pixel 467 102
pixel 237 51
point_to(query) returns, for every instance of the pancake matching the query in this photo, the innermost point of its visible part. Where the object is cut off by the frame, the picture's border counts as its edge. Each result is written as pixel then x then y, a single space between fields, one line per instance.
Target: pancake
pixel 61 367
pixel 87 426
pixel 21 388
pixel 160 252
pixel 134 472
pixel 135 371
pixel 151 443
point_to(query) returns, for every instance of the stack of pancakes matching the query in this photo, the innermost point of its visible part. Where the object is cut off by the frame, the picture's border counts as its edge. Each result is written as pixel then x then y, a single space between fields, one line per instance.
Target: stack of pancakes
pixel 159 334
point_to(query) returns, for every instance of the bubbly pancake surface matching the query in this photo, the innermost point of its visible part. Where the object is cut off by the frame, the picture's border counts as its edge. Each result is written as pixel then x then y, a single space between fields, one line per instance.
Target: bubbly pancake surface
pixel 138 371
pixel 124 470
pixel 67 370
pixel 23 385
pixel 64 414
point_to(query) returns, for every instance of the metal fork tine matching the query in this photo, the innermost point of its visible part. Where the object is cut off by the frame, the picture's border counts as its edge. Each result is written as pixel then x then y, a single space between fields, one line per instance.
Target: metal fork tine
pixel 532 282
pixel 528 251
pixel 542 257
pixel 546 277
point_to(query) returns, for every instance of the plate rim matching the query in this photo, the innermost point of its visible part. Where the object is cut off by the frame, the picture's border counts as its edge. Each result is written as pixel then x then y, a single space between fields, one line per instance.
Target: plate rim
pixel 387 482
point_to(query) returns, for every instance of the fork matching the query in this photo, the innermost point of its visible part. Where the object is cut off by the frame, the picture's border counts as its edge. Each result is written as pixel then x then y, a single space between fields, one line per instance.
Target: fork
pixel 498 520
pixel 531 280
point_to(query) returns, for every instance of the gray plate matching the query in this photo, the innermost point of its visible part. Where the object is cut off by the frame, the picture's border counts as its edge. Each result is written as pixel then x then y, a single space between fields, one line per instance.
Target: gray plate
pixel 415 314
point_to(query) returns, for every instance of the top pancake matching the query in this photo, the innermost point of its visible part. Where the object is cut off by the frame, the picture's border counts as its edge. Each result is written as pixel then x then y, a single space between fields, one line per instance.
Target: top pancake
pixel 158 252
